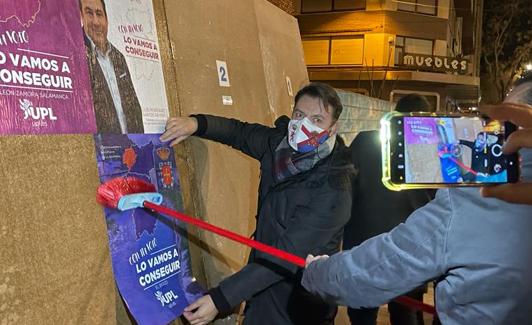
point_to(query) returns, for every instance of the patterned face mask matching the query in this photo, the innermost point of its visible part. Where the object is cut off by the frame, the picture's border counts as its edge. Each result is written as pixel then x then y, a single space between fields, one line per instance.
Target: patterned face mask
pixel 303 136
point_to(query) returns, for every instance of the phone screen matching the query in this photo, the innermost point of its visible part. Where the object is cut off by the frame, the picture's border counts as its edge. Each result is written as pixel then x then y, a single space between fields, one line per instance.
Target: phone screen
pixel 449 150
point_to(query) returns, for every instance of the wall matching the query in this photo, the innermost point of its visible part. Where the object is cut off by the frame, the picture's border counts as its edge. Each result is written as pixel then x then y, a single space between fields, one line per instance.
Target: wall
pixel 282 57
pixel 444 8
pixel 361 113
pixel 262 46
pixel 440 48
pixel 55 256
pixel 55 260
pixel 290 6
pixel 56 263
pixel 415 25
pixel 381 5
pixel 377 28
pixel 357 21
pixel 378 50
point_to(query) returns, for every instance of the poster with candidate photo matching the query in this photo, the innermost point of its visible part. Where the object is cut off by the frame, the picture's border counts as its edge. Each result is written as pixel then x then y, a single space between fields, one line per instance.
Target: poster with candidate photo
pixel 125 66
pixel 44 80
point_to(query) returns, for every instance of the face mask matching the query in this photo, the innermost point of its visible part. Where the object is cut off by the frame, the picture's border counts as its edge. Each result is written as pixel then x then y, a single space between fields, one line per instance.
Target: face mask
pixel 303 136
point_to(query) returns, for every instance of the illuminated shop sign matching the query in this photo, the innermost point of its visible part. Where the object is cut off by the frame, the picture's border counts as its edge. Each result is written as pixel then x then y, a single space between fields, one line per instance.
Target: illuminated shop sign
pixel 435 63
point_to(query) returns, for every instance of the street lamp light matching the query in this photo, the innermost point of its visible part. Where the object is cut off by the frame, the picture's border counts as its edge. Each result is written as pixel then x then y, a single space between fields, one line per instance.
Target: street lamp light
pixel 528 67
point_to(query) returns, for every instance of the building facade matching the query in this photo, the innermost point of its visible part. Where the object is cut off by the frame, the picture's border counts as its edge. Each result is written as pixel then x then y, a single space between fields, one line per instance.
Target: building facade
pixel 389 48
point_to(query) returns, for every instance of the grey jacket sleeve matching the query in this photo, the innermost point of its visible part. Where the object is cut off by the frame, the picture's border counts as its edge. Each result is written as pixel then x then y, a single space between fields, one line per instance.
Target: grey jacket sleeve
pixel 388 265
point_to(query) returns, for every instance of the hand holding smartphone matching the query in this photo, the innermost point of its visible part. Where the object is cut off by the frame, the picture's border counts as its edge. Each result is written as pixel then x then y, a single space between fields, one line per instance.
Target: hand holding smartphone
pixel 426 150
pixel 520 115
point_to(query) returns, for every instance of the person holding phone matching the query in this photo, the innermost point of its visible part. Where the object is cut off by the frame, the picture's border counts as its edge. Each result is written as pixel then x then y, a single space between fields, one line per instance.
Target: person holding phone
pixel 479 250
pixel 520 115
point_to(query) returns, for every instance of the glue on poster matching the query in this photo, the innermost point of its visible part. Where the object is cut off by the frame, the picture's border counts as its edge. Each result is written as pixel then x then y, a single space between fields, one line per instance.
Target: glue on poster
pixel 44 82
pixel 149 251
pixel 125 66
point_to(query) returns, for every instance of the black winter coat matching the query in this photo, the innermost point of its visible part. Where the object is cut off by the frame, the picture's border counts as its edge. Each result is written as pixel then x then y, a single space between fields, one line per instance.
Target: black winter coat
pixel 376 209
pixel 303 214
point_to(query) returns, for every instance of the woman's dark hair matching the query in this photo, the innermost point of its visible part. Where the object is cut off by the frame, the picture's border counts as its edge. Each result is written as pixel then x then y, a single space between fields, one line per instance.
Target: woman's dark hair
pixel 413 103
pixel 326 94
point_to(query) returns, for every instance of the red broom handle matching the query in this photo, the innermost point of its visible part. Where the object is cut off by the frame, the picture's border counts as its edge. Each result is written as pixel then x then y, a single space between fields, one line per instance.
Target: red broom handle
pixel 416 304
pixel 229 234
pixel 291 258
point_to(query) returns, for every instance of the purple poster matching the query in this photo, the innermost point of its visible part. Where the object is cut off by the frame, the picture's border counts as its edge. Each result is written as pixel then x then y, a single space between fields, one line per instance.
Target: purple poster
pixel 420 130
pixel 44 83
pixel 149 251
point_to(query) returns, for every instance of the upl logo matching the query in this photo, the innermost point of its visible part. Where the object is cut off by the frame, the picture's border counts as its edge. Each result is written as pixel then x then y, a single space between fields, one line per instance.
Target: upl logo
pixel 166 298
pixel 36 113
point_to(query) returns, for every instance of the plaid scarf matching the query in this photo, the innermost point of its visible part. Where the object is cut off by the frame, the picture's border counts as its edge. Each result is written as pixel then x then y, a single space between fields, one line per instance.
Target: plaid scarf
pixel 288 162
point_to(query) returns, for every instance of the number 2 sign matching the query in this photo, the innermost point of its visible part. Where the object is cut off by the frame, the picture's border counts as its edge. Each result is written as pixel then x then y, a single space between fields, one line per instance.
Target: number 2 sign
pixel 223 74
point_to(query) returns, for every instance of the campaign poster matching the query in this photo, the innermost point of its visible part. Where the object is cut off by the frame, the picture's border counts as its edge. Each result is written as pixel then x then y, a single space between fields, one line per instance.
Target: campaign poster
pixel 44 80
pixel 149 251
pixel 125 66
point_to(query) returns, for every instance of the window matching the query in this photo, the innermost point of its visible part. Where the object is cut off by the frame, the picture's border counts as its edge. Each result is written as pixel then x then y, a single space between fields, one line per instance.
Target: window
pixel 427 7
pixel 399 49
pixel 418 46
pixel 309 6
pixel 339 5
pixel 411 45
pixel 339 50
pixel 316 51
pixel 316 5
pixel 347 50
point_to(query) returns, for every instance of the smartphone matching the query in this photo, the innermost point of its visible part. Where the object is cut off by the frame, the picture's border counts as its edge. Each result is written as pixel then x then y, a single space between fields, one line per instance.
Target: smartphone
pixel 427 150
